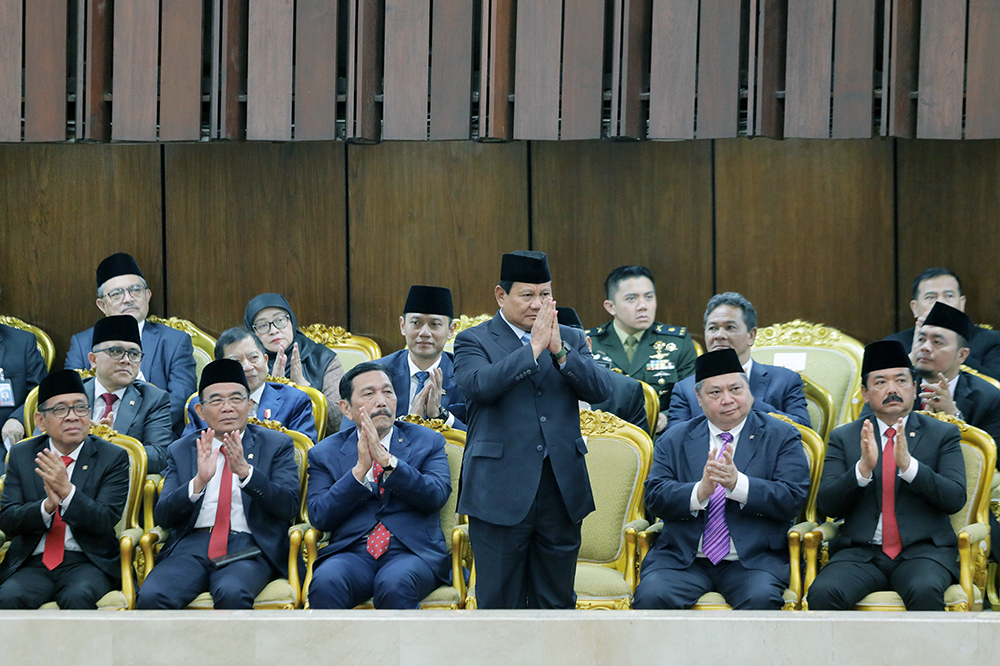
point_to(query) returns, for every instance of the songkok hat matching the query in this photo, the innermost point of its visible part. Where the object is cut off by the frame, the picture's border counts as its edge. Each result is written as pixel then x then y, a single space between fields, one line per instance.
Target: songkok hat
pixel 117 327
pixel 525 266
pixel 223 371
pixel 60 383
pixel 569 317
pixel 715 363
pixel 429 300
pixel 115 265
pixel 884 354
pixel 953 319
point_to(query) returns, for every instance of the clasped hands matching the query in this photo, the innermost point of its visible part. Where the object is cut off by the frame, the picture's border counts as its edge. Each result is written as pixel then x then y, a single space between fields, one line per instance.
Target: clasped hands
pixel 295 371
pixel 232 448
pixel 870 446
pixel 545 331
pixel 427 403
pixel 51 468
pixel 718 472
pixel 369 448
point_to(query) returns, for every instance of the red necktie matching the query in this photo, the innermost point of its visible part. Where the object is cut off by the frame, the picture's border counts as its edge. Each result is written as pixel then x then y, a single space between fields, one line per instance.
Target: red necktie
pixel 109 401
pixel 377 474
pixel 219 541
pixel 378 540
pixel 55 540
pixel 892 545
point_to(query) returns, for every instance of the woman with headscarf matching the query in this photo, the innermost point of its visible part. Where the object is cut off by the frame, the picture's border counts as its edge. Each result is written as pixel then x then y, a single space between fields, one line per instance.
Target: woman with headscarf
pixel 291 354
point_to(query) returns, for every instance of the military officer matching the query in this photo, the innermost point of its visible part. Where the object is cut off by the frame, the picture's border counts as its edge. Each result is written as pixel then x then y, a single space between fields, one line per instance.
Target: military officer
pixel 634 344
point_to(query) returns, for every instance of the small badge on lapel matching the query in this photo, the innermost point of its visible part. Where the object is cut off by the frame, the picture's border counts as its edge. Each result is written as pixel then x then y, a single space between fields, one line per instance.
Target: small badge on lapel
pixel 85 467
pixel 913 434
pixel 131 402
pixel 250 456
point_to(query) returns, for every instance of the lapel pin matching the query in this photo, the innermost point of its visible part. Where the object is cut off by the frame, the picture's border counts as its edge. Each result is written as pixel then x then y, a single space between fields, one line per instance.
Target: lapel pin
pixel 250 456
pixel 85 467
pixel 913 434
pixel 131 402
pixel 751 436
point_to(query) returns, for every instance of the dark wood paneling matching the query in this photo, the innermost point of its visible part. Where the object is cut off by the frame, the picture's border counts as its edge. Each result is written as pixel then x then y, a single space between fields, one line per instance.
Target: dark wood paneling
pixel 673 69
pixel 97 72
pixel 180 70
pixel 451 76
pixel 11 25
pixel 804 229
pixel 630 48
pixel 445 223
pixel 364 69
pixel 772 26
pixel 854 61
pixel 407 61
pixel 982 104
pixel 315 70
pixel 537 70
pixel 809 65
pixel 45 70
pixel 902 45
pixel 270 35
pixel 280 227
pixel 942 70
pixel 949 203
pixel 136 46
pixel 64 209
pixel 496 66
pixel 719 69
pixel 582 70
pixel 232 69
pixel 599 205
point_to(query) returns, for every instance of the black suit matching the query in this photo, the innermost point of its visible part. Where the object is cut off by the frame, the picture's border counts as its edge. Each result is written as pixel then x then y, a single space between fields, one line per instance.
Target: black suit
pixel 101 477
pixel 22 365
pixel 627 401
pixel 984 349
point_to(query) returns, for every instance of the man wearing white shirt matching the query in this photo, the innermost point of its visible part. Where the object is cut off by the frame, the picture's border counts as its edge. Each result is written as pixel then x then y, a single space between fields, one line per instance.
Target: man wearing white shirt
pixel 64 547
pixel 230 491
pixel 894 478
pixel 727 485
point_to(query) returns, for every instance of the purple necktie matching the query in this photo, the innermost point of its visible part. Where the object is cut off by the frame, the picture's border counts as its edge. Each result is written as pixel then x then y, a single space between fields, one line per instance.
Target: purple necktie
pixel 715 542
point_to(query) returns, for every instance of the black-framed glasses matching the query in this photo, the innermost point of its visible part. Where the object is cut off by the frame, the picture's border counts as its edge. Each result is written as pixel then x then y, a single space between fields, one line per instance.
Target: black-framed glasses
pixel 262 327
pixel 134 355
pixel 235 400
pixel 61 411
pixel 135 291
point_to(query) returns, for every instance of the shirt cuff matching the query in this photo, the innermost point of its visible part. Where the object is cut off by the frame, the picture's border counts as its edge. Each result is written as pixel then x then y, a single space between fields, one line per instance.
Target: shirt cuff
pixel 63 505
pixel 450 421
pixel 46 516
pixel 244 482
pixel 862 482
pixel 911 471
pixel 740 490
pixel 696 506
pixel 192 495
pixel 364 481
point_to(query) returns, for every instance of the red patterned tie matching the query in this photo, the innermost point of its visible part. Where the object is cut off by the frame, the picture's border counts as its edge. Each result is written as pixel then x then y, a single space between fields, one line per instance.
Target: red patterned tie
pixel 378 540
pixel 219 541
pixel 377 474
pixel 109 401
pixel 55 540
pixel 892 545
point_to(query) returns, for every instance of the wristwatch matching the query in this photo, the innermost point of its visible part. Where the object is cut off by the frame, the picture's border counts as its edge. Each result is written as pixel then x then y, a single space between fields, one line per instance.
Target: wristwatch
pixel 561 354
pixel 393 461
pixel 443 414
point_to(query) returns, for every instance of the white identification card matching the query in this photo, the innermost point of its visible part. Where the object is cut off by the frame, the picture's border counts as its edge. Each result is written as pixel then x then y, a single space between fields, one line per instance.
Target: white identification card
pixel 6 394
pixel 792 360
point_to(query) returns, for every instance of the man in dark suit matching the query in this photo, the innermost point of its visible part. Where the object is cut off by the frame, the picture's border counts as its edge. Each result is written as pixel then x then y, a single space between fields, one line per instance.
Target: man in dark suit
pixel 269 401
pixel 725 520
pixel 731 323
pixel 894 478
pixel 168 362
pixel 524 476
pixel 231 491
pixel 21 369
pixel 64 494
pixel 942 284
pixel 377 489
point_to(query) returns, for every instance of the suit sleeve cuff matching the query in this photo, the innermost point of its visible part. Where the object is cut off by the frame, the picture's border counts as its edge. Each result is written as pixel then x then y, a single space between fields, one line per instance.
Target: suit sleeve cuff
pixel 192 495
pixel 862 481
pixel 243 482
pixel 695 506
pixel 911 471
pixel 741 490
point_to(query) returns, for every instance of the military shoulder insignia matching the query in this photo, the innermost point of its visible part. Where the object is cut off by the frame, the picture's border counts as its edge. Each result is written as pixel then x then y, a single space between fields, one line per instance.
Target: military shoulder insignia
pixel 678 331
pixel 596 331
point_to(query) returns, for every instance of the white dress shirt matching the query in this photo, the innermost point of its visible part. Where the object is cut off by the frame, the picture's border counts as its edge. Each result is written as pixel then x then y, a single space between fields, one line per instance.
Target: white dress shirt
pixel 71 543
pixel 255 403
pixel 739 491
pixel 908 475
pixel 206 516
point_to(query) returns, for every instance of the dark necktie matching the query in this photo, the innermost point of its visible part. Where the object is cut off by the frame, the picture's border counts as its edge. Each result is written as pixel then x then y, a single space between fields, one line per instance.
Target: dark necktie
pixel 421 380
pixel 55 540
pixel 109 401
pixel 892 545
pixel 715 543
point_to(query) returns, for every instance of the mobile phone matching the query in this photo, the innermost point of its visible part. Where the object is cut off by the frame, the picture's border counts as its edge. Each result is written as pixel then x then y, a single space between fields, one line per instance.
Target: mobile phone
pixel 235 556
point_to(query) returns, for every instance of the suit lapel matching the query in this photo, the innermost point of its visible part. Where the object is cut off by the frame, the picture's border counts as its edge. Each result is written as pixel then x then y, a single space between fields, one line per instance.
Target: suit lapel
pixel 150 341
pixel 697 453
pixel 639 359
pixel 131 402
pixel 401 381
pixel 503 335
pixel 759 381
pixel 963 396
pixel 3 349
pixel 250 452
pixel 85 465
pixel 746 447
pixel 270 403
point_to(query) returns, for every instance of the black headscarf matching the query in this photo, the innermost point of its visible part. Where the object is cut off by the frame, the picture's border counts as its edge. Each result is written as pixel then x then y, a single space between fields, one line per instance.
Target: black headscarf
pixel 315 357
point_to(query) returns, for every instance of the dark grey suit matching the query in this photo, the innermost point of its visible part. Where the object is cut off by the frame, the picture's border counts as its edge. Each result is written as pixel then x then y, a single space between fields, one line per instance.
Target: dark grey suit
pixel 144 413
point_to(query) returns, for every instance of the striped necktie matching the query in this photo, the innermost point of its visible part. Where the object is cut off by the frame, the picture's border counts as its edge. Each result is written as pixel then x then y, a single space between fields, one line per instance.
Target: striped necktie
pixel 715 543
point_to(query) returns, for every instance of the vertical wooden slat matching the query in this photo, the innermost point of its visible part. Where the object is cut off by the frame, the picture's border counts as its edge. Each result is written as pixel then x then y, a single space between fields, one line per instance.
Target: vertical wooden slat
pixel 451 74
pixel 270 34
pixel 45 70
pixel 809 66
pixel 536 70
pixel 769 119
pixel 982 104
pixel 97 72
pixel 136 28
pixel 717 114
pixel 629 48
pixel 407 60
pixel 315 70
pixel 941 75
pixel 11 22
pixel 673 69
pixel 496 117
pixel 902 27
pixel 80 29
pixel 180 70
pixel 582 70
pixel 854 61
pixel 364 67
pixel 232 69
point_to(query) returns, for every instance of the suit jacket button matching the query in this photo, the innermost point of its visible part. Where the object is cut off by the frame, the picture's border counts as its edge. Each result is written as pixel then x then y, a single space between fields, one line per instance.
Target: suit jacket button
pixel 538 448
pixel 538 393
pixel 543 419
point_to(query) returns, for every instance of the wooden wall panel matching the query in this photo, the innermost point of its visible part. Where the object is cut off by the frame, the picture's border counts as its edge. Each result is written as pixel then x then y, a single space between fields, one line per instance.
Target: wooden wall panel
pixel 630 46
pixel 136 47
pixel 45 29
pixel 673 69
pixel 445 223
pixel 11 26
pixel 901 45
pixel 600 205
pixel 280 227
pixel 809 65
pixel 771 39
pixel 537 70
pixel 942 70
pixel 364 68
pixel 949 204
pixel 180 70
pixel 451 76
pixel 854 61
pixel 582 70
pixel 96 112
pixel 407 63
pixel 804 229
pixel 982 105
pixel 315 70
pixel 496 67
pixel 64 208
pixel 269 69
pixel 719 69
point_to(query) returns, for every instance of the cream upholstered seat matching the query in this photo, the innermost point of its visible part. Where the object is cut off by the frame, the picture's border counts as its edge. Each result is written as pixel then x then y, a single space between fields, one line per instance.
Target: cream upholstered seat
pixel 971 525
pixel 203 343
pixel 45 346
pixel 352 349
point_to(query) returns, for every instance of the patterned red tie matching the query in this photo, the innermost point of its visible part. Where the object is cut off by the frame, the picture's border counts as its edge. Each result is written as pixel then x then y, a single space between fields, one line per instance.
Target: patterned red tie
pixel 892 545
pixel 218 543
pixel 55 540
pixel 378 540
pixel 377 474
pixel 109 401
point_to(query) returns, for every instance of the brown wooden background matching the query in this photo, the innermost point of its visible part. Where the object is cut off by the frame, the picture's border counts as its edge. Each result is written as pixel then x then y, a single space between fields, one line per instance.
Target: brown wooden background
pixel 829 231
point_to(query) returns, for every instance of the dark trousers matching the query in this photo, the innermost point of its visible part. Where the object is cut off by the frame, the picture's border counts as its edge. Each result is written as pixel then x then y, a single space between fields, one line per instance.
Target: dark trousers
pixel 75 584
pixel 187 572
pixel 531 564
pixel 843 583
pixel 744 589
pixel 399 579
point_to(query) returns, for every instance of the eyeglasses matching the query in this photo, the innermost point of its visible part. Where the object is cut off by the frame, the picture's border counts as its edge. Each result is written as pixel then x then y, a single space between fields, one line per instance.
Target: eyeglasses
pixel 135 291
pixel 61 411
pixel 279 323
pixel 235 401
pixel 134 355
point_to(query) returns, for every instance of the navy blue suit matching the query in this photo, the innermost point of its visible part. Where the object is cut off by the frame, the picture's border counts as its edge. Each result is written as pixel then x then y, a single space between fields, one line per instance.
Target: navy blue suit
pixel 524 474
pixel 279 402
pixel 774 389
pixel 770 453
pixel 345 574
pixel 23 366
pixel 168 363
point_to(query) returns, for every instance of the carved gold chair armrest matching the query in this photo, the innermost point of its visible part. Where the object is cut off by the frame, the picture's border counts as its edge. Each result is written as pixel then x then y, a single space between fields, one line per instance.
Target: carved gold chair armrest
pixel 973 549
pixel 150 493
pixel 296 535
pixel 461 553
pixel 127 542
pixel 311 538
pixel 815 545
pixel 796 537
pixel 632 531
pixel 150 544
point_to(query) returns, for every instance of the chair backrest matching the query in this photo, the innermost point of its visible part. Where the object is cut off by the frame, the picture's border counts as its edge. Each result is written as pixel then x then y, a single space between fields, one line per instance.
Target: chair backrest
pixel 203 343
pixel 976 373
pixel 136 476
pixel 42 339
pixel 820 405
pixel 302 446
pixel 320 406
pixel 618 459
pixel 652 399
pixel 352 349
pixel 827 356
pixel 464 322
pixel 698 349
pixel 815 449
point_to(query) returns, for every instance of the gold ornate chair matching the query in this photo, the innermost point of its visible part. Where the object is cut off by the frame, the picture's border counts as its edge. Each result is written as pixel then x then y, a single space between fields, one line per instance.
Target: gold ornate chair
pixel 464 322
pixel 203 343
pixel 320 407
pixel 976 373
pixel 45 345
pixel 827 356
pixel 352 349
pixel 279 594
pixel 971 524
pixel 821 408
pixel 445 597
pixel 652 406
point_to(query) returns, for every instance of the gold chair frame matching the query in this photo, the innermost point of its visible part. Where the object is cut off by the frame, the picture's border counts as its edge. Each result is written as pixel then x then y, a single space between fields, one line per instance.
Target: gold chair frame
pixel 42 339
pixel 338 339
pixel 465 322
pixel 652 399
pixel 201 340
pixel 823 401
pixel 320 407
pixel 698 348
pixel 976 373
